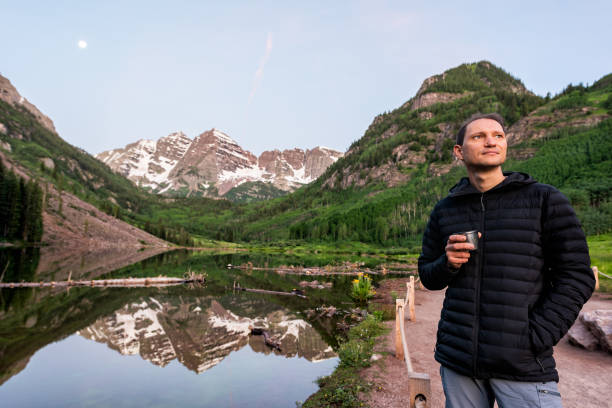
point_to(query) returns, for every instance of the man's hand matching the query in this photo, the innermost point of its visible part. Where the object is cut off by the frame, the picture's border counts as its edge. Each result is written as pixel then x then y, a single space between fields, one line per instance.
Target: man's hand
pixel 458 250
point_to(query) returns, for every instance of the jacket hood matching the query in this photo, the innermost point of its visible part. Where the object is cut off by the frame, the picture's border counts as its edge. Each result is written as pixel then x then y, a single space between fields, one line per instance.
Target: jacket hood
pixel 513 179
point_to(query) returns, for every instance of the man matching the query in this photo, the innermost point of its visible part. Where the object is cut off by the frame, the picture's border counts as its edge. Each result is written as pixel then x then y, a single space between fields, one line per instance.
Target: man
pixel 509 301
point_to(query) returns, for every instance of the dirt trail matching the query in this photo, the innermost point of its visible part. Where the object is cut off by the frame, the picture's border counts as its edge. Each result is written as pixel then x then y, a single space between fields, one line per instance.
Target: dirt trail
pixel 585 376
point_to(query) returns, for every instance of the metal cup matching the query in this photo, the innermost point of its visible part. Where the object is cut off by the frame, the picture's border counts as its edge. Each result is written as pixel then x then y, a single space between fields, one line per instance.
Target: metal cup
pixel 471 237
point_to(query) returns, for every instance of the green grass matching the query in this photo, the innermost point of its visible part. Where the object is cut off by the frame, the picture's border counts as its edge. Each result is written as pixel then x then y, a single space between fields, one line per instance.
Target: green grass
pixel 596 97
pixel 203 242
pixel 600 111
pixel 396 253
pixel 600 249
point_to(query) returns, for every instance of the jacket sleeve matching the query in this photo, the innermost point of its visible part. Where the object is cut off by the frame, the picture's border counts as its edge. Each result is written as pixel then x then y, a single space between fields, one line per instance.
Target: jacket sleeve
pixel 567 266
pixel 434 272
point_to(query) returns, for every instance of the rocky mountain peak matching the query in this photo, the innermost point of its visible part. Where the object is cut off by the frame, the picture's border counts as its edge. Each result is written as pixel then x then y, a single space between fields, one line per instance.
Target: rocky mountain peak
pixel 463 81
pixel 174 146
pixel 175 136
pixel 10 95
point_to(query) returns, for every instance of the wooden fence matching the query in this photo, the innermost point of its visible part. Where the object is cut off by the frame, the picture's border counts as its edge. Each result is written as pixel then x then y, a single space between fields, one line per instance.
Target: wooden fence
pixel 419 385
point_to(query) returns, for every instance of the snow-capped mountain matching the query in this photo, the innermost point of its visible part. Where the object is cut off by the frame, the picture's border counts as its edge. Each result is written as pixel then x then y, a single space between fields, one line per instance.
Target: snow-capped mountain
pixel 213 163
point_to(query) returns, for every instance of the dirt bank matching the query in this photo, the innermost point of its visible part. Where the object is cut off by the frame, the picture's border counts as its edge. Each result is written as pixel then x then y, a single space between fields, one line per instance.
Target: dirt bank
pixel 74 223
pixel 584 375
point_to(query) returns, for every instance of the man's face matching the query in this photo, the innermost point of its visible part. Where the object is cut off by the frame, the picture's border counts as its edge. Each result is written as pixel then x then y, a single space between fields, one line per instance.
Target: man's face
pixel 484 145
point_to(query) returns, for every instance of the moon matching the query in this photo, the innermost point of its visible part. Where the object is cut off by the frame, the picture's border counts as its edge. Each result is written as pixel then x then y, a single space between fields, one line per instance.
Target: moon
pixel 82 44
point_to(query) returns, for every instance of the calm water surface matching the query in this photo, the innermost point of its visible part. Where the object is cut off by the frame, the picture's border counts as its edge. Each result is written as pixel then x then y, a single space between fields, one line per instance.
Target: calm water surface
pixel 184 346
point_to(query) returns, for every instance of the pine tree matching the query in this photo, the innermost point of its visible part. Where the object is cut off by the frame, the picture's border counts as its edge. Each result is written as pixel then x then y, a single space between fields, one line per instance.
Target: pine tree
pixel 14 207
pixel 33 229
pixel 4 209
pixel 24 210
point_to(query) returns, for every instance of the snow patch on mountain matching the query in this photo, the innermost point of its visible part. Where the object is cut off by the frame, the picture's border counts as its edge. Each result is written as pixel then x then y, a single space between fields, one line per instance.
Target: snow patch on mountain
pixel 293 327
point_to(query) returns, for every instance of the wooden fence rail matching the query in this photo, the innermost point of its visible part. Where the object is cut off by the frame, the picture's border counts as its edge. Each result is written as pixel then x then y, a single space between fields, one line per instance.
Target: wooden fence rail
pixel 418 383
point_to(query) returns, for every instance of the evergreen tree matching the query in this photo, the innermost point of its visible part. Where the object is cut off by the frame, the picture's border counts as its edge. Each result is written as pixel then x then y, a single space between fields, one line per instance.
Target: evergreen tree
pixel 34 229
pixel 4 201
pixel 14 207
pixel 24 210
pixel 20 207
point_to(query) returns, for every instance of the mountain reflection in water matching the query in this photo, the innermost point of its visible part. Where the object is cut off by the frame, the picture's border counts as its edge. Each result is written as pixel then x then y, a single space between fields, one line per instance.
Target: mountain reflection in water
pixel 200 333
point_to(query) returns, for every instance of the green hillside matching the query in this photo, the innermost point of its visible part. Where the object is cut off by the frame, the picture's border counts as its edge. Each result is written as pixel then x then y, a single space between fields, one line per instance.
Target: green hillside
pixel 253 191
pixel 74 169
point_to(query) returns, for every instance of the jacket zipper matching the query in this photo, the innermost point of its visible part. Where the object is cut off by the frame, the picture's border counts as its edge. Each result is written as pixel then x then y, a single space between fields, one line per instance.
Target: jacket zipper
pixel 478 280
pixel 540 363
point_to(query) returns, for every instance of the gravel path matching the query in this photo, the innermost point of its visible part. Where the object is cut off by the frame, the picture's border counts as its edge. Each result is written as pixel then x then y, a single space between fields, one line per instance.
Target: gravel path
pixel 585 377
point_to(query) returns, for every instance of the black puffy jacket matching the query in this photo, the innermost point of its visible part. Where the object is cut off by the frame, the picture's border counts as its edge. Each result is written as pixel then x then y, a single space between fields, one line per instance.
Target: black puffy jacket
pixel 520 291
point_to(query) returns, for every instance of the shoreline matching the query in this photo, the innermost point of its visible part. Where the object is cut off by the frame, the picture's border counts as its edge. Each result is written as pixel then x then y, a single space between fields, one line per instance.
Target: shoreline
pixel 583 374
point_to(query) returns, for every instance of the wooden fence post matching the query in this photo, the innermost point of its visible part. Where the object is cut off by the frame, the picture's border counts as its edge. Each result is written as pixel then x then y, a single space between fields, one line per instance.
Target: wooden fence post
pixel 411 299
pixel 419 387
pixel 399 317
pixel 596 273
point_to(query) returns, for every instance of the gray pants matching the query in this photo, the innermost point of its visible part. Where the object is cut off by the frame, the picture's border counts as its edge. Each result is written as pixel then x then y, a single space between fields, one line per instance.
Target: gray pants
pixel 464 392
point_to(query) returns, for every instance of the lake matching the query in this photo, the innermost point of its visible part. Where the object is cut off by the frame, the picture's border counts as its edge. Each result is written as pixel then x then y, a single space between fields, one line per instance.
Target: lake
pixel 187 345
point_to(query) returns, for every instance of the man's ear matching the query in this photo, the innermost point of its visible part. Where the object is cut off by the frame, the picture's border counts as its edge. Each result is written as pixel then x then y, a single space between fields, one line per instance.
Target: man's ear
pixel 458 153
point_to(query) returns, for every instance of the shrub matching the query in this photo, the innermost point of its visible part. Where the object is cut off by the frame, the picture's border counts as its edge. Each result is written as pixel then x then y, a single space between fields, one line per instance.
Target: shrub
pixel 362 288
pixel 369 328
pixel 607 104
pixel 341 389
pixel 356 353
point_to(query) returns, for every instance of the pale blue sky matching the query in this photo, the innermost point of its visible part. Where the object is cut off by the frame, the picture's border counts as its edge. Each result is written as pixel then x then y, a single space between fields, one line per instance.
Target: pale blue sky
pixel 277 74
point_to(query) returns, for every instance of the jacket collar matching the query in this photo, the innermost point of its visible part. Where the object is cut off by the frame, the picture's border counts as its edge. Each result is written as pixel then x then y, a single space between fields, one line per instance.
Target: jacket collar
pixel 513 180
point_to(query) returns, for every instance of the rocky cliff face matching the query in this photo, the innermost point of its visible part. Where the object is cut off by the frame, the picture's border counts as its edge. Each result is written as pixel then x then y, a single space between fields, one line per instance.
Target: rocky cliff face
pixel 200 334
pixel 213 163
pixel 9 94
pixel 423 99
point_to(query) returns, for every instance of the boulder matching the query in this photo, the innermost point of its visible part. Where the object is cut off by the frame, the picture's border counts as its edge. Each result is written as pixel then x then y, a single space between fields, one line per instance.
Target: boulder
pixel 580 335
pixel 5 146
pixel 48 163
pixel 599 323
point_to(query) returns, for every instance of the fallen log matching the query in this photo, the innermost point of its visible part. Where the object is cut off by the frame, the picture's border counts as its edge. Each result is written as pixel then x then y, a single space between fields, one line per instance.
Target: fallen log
pixel 316 284
pixel 294 292
pixel 258 331
pixel 132 282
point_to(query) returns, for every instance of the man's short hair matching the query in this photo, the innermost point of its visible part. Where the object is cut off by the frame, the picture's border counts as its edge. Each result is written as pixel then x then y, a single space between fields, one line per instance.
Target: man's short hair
pixel 494 116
